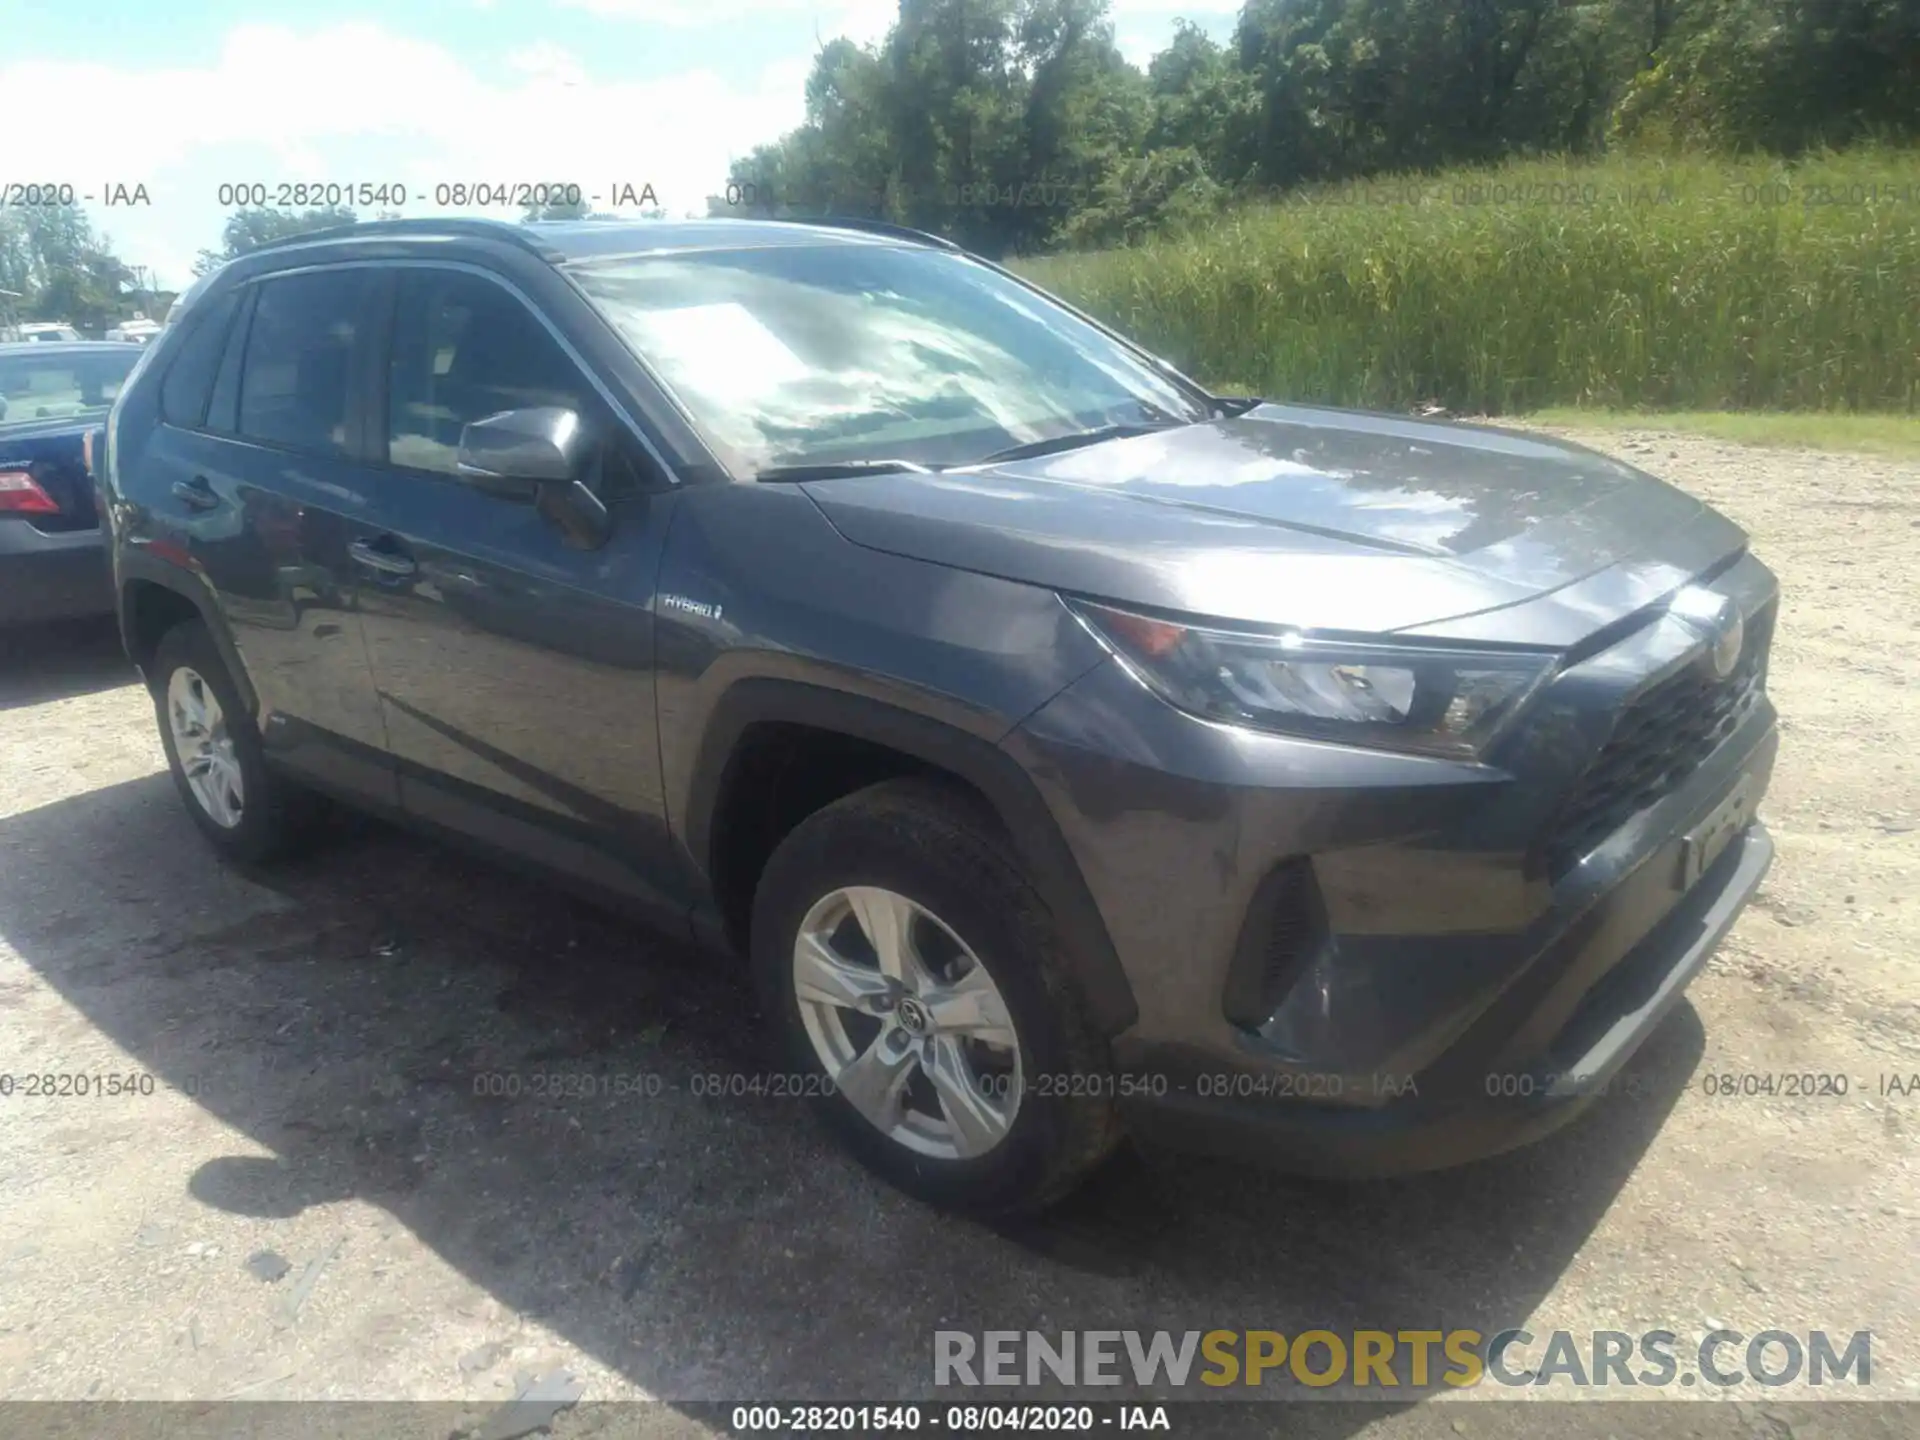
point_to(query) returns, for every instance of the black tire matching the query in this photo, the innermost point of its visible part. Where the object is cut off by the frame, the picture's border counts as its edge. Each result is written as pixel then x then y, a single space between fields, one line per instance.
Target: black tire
pixel 275 815
pixel 939 847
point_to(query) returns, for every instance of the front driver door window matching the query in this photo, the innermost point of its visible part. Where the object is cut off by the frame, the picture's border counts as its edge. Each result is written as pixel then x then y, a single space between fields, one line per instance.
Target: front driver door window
pixel 463 349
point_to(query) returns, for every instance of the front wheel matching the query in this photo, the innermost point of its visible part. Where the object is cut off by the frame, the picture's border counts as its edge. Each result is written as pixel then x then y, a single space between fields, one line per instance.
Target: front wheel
pixel 915 980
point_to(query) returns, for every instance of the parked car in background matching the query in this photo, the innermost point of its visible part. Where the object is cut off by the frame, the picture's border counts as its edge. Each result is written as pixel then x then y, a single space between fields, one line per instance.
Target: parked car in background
pixel 1070 751
pixel 138 330
pixel 54 400
pixel 47 330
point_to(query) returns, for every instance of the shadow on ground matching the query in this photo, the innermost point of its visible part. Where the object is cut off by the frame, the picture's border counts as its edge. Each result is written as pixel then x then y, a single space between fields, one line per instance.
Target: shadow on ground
pixel 58 661
pixel 356 1017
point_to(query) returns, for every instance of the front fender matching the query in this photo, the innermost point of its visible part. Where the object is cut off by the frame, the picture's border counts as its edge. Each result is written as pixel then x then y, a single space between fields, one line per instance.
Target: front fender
pixel 1036 838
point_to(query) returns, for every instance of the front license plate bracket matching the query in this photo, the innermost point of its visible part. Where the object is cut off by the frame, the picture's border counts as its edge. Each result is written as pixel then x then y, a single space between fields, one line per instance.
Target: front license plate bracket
pixel 1707 841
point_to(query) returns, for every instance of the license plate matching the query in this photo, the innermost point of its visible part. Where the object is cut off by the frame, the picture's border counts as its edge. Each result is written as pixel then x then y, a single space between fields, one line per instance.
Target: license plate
pixel 1708 840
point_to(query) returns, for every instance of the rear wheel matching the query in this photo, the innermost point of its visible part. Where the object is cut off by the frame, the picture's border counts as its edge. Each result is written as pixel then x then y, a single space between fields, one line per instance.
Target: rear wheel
pixel 247 811
pixel 915 980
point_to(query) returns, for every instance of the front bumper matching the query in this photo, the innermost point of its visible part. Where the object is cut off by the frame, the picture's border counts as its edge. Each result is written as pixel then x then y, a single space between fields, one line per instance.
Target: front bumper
pixel 1429 989
pixel 1496 1091
pixel 51 576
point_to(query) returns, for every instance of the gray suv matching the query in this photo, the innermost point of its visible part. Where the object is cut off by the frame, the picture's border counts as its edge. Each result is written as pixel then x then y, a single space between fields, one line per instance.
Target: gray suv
pixel 1072 752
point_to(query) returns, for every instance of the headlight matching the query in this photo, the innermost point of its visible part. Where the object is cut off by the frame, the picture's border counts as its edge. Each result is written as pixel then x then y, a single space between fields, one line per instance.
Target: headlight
pixel 1431 700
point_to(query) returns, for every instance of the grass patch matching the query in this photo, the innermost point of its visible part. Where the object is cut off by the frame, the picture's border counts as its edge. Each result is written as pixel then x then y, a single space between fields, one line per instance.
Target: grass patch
pixel 1687 284
pixel 1895 435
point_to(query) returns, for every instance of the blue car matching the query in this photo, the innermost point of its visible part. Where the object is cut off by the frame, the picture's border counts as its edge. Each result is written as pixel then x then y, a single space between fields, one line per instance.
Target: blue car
pixel 54 398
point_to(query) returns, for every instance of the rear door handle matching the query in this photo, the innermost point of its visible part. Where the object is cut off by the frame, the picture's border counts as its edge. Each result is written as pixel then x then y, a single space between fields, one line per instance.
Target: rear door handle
pixel 195 494
pixel 383 556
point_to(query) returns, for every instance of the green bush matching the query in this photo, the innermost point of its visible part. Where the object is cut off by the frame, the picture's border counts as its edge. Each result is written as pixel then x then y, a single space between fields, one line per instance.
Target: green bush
pixel 1675 284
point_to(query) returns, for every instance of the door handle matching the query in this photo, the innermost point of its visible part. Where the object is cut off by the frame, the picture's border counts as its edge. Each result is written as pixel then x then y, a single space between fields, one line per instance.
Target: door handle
pixel 383 556
pixel 195 494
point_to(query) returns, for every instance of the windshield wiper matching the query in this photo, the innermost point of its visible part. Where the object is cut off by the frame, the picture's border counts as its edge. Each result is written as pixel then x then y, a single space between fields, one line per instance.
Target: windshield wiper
pixel 838 470
pixel 1076 441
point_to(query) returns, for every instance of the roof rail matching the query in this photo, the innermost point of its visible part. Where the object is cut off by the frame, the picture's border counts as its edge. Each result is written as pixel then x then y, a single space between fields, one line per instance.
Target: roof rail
pixel 420 225
pixel 872 227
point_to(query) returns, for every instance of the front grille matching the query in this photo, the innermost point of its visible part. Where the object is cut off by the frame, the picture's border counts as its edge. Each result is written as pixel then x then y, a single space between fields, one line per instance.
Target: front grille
pixel 1659 740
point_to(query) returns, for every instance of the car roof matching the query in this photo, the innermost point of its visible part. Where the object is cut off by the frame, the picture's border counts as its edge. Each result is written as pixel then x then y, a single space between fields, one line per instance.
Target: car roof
pixel 564 242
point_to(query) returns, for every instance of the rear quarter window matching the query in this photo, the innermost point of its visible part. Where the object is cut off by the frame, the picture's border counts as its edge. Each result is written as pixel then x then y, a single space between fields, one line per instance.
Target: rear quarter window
pixel 189 380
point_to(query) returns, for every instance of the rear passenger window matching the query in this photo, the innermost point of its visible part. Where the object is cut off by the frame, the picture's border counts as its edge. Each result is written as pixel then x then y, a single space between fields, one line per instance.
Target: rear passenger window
pixel 297 379
pixel 183 395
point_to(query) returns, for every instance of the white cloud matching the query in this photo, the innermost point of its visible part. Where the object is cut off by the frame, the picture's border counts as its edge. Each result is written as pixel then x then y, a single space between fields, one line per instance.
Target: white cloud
pixel 358 102
pixel 272 107
pixel 552 63
pixel 859 20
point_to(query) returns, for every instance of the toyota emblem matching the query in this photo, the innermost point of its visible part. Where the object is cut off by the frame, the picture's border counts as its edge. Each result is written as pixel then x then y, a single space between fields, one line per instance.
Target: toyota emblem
pixel 1715 618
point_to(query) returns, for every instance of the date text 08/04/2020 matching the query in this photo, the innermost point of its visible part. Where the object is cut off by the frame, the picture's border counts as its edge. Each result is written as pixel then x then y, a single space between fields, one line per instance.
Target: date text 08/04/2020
pixel 956 1419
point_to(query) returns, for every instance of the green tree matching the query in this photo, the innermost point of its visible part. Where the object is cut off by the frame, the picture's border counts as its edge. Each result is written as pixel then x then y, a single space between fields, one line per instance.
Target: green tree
pixel 1779 75
pixel 558 210
pixel 1203 101
pixel 969 112
pixel 251 228
pixel 61 269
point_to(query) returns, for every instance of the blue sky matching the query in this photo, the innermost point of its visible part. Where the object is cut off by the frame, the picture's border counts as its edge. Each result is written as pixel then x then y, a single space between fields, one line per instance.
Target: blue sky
pixel 182 97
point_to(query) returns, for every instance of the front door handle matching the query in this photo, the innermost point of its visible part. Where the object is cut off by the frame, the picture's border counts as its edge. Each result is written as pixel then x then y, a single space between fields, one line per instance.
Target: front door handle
pixel 195 494
pixel 383 556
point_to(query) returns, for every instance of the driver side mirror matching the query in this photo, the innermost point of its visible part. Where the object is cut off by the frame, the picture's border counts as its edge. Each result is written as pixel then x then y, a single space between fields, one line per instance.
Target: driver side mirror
pixel 534 456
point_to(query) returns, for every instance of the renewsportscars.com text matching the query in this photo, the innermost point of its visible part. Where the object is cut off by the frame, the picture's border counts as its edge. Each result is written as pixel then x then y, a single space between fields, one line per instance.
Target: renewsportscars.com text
pixel 1394 1359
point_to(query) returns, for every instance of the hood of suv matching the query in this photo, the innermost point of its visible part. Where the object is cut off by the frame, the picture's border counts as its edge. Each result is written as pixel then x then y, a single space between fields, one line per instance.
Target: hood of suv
pixel 1329 519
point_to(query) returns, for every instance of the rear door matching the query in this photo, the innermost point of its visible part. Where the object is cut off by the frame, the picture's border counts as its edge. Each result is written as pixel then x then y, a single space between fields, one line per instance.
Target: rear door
pixel 515 671
pixel 265 472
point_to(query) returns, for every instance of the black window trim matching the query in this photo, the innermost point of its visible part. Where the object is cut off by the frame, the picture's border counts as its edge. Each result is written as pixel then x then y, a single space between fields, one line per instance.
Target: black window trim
pixel 373 401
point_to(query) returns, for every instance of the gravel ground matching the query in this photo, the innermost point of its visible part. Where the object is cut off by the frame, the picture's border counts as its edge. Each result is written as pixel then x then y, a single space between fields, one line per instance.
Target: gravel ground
pixel 321 1043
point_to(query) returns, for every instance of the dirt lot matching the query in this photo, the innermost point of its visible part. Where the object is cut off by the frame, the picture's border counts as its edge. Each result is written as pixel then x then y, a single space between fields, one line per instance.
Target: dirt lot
pixel 320 1042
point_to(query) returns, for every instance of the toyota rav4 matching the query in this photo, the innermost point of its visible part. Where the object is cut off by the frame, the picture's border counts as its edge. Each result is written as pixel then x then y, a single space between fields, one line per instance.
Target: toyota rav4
pixel 1070 751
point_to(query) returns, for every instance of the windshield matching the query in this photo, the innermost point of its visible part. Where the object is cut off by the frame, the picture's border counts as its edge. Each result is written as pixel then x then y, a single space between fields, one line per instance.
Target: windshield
pixel 55 383
pixel 809 355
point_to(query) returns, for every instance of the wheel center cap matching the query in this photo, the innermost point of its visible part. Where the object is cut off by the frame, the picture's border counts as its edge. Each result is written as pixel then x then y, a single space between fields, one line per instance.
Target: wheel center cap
pixel 913 1016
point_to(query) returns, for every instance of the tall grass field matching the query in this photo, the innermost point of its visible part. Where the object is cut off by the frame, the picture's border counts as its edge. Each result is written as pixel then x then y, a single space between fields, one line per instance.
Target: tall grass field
pixel 1689 284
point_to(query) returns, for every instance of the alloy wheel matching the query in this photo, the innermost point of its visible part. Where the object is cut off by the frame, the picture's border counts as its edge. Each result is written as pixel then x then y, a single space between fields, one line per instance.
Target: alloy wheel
pixel 907 1022
pixel 205 748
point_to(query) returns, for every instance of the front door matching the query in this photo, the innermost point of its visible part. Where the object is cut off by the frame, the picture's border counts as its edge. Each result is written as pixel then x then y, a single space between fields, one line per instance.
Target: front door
pixel 515 672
